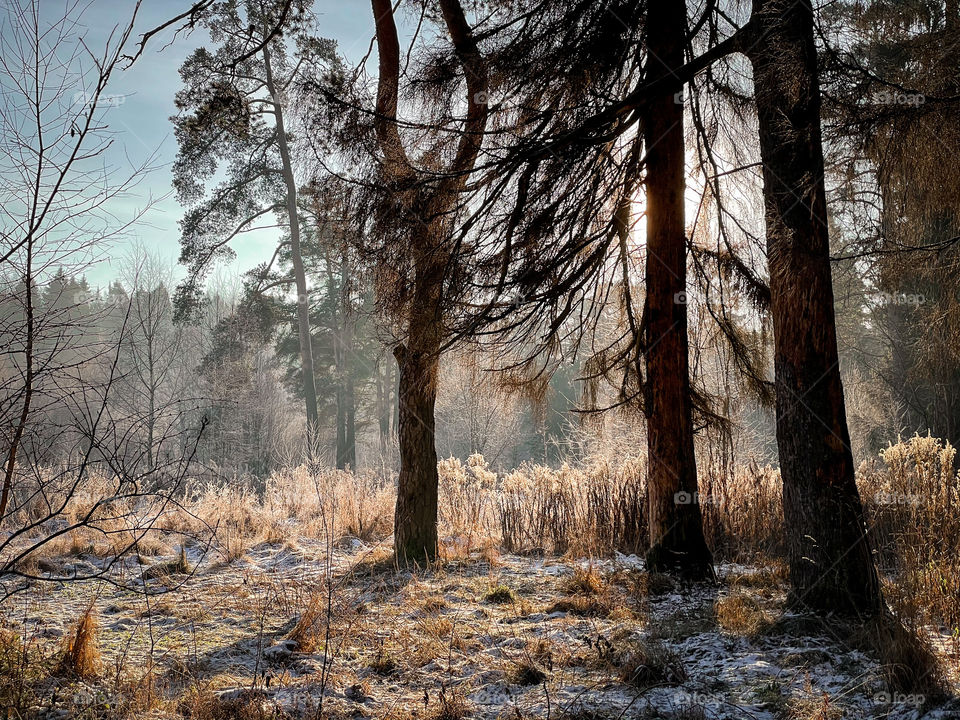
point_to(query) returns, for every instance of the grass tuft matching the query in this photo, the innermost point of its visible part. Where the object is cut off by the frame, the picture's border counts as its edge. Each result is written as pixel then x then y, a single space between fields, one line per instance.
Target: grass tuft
pixel 81 655
pixel 500 595
pixel 742 614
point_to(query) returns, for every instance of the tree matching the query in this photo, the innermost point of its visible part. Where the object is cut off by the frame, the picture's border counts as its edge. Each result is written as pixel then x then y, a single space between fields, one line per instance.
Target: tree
pixel 676 525
pixel 52 197
pixel 891 109
pixel 418 213
pixel 235 102
pixel 831 565
pixel 153 352
pixel 559 211
pixel 63 457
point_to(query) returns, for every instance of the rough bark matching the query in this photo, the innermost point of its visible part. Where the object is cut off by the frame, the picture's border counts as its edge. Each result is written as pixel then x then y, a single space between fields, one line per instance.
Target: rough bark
pixel 831 566
pixel 677 543
pixel 415 521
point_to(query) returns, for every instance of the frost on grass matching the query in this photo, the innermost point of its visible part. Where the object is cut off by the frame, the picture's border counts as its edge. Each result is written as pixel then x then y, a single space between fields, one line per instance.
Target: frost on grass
pixel 279 634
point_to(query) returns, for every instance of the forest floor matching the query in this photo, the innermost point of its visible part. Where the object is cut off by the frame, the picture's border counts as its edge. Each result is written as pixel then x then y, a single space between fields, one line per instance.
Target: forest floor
pixel 487 636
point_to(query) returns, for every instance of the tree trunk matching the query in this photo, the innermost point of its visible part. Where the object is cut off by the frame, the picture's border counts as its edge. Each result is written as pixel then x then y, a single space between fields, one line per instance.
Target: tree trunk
pixel 676 530
pixel 346 376
pixel 151 400
pixel 350 434
pixel 299 274
pixel 10 465
pixel 831 566
pixel 415 522
pixel 383 406
pixel 341 409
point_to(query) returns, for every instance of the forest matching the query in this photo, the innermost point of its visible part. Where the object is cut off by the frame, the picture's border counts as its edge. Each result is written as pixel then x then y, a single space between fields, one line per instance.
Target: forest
pixel 499 359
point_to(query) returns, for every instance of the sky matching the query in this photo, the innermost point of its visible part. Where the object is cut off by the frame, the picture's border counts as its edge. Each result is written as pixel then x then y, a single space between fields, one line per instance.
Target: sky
pixel 144 103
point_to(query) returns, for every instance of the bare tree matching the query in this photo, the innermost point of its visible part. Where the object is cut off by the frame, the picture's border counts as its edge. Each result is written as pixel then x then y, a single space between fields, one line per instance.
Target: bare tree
pixel 53 100
pixel 152 362
pixel 65 457
pixel 676 525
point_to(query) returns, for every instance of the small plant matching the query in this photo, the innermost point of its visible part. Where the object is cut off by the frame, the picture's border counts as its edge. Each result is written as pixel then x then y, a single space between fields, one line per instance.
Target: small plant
pixel 645 665
pixel 584 581
pixel 308 631
pixel 437 627
pixel 383 662
pixel 177 566
pixel 244 705
pixel 451 706
pixel 500 595
pixel 812 708
pixel 742 614
pixel 770 695
pixel 81 656
pixel 526 672
pixel 583 606
pixel 433 604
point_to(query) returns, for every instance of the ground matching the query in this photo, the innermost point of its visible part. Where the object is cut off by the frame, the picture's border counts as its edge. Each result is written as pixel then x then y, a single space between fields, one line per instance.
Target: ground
pixel 485 636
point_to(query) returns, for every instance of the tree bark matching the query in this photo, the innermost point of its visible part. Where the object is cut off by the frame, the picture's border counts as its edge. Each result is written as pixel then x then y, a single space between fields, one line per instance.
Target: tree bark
pixel 831 565
pixel 415 521
pixel 383 406
pixel 677 543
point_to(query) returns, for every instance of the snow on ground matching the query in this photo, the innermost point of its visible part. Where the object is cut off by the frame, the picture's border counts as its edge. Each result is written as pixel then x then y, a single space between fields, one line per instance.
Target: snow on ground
pixel 485 637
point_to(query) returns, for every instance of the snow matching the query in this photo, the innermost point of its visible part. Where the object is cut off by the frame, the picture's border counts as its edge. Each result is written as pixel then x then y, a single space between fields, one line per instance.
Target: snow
pixel 228 622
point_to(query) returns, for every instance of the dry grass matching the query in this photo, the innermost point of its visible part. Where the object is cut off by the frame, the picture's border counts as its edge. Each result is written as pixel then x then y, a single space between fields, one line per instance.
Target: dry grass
pixel 913 506
pixel 584 581
pixel 310 629
pixel 383 661
pixel 646 664
pixel 585 511
pixel 442 705
pixel 500 595
pixel 177 566
pixel 526 672
pixel 449 706
pixel 21 671
pixel 594 508
pixel 244 705
pixel 813 707
pixel 908 663
pixel 81 654
pixel 742 614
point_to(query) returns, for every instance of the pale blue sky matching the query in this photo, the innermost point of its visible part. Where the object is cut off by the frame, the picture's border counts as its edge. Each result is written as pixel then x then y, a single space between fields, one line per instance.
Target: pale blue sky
pixel 141 120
